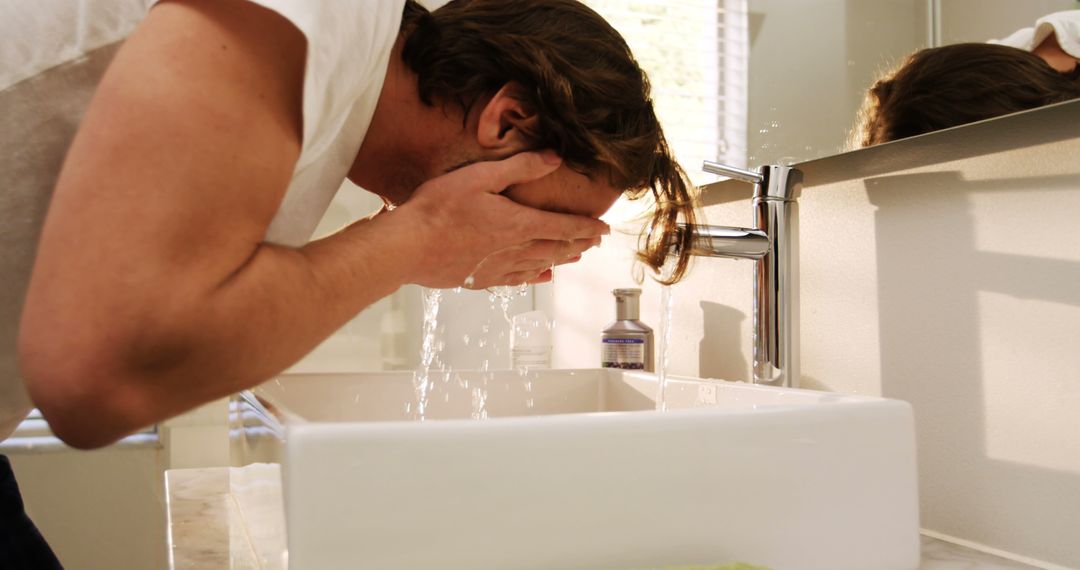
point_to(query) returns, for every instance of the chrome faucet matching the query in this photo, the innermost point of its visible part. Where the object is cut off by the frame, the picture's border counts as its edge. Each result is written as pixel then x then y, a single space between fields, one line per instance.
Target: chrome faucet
pixel 773 244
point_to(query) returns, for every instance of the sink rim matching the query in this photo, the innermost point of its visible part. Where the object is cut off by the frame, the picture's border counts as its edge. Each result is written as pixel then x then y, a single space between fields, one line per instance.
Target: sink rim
pixel 808 401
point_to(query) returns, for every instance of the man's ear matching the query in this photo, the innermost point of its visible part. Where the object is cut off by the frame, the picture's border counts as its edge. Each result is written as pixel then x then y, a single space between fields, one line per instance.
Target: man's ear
pixel 507 123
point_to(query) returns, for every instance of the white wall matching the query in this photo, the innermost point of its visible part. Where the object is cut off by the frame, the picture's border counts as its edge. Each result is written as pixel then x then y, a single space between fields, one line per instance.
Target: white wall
pixel 943 270
pixel 99 510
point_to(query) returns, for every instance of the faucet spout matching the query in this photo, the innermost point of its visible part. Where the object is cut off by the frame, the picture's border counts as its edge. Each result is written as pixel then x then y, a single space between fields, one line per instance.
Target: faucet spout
pixel 725 241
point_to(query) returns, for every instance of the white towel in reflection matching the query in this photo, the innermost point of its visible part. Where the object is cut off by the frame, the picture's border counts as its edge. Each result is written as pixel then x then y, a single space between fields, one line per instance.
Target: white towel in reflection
pixel 1065 25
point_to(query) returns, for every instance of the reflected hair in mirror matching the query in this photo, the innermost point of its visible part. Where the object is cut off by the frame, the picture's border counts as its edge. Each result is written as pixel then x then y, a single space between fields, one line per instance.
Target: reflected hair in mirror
pixel 953 85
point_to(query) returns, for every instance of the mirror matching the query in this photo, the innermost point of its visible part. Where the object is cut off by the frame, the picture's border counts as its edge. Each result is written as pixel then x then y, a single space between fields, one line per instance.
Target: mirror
pixel 811 63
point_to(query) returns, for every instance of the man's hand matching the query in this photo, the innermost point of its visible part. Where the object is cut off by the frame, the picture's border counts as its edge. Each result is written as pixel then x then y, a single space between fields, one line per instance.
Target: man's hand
pixel 477 238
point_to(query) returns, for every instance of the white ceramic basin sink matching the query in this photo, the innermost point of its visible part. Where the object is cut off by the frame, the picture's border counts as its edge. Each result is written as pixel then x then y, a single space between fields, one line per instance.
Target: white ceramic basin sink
pixel 575 470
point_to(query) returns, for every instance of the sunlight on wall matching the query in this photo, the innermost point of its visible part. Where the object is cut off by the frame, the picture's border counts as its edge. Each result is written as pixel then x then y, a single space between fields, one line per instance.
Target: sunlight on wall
pixel 1022 373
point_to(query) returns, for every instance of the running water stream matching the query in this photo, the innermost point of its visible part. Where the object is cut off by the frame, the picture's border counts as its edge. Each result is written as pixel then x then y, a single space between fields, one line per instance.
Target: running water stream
pixel 429 351
pixel 663 347
pixel 433 366
pixel 501 298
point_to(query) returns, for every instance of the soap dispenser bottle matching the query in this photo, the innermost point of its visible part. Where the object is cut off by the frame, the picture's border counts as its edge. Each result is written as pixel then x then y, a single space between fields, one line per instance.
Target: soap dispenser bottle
pixel 627 343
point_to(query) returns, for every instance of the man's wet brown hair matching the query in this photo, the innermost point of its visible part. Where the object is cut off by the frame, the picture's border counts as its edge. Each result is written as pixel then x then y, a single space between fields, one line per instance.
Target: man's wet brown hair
pixel 957 84
pixel 591 96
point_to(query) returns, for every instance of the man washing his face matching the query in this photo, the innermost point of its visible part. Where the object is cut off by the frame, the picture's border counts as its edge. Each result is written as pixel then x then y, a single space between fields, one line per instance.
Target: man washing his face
pixel 173 266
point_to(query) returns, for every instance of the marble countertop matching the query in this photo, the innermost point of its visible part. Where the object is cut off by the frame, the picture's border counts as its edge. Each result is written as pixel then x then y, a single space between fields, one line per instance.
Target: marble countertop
pixel 232 518
pixel 227 518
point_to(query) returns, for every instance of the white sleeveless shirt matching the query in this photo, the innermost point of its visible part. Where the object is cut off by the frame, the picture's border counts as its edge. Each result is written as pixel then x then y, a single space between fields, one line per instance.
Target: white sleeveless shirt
pixel 54 53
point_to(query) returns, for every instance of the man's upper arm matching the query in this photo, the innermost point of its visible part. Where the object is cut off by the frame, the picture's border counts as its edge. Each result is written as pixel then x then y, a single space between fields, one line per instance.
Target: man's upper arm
pixel 177 169
pixel 191 140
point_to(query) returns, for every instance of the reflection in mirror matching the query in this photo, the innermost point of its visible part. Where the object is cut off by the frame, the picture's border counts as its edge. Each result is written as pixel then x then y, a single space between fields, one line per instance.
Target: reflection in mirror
pixel 951 85
pixel 811 64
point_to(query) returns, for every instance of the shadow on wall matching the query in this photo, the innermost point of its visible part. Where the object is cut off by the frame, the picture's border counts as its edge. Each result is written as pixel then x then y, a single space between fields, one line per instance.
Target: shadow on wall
pixel 720 353
pixel 933 285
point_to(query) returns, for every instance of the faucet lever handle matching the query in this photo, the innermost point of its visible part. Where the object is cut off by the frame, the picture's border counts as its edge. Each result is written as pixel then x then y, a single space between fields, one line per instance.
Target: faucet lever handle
pixel 732 172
